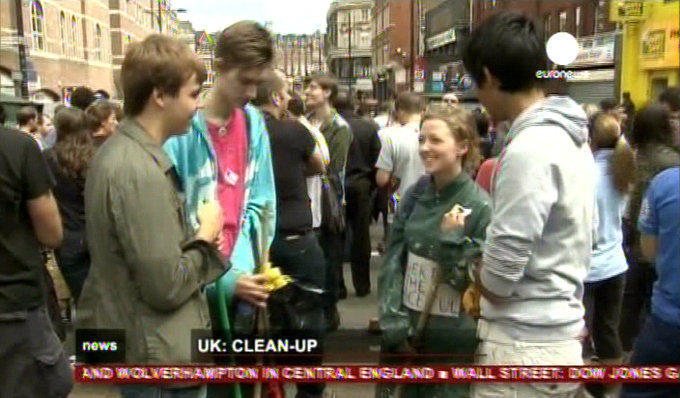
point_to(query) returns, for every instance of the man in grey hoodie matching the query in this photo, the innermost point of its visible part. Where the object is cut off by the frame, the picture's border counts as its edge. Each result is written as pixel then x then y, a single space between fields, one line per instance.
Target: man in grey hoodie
pixel 538 245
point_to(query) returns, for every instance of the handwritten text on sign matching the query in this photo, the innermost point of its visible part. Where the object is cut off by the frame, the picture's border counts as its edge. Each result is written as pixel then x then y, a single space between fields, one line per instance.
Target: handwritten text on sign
pixel 418 281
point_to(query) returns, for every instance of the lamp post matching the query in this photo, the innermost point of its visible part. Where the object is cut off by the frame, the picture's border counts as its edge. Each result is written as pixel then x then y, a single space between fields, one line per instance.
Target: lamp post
pixel 351 66
pixel 23 61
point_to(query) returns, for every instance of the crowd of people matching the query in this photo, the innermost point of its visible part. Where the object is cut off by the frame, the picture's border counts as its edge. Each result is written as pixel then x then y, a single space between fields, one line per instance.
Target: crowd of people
pixel 533 232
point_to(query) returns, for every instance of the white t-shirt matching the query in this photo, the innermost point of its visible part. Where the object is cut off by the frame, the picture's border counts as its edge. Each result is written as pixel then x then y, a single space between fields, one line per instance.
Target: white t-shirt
pixel 314 183
pixel 399 154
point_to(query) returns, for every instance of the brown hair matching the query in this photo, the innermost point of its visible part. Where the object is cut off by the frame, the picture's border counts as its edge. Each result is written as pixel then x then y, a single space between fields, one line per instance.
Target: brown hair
pixel 274 83
pixel 409 102
pixel 327 82
pixel 25 114
pixel 244 44
pixel 98 112
pixel 606 134
pixel 74 149
pixel 158 62
pixel 462 125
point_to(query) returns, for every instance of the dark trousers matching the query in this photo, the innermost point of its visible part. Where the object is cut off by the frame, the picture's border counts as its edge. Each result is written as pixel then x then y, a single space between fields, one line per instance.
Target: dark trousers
pixel 32 360
pixel 73 259
pixel 657 344
pixel 603 301
pixel 638 291
pixel 302 259
pixel 332 246
pixel 359 220
pixel 636 300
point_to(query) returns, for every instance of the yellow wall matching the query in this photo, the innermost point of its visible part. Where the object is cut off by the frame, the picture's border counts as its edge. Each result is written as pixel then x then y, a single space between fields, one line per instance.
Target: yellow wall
pixel 639 69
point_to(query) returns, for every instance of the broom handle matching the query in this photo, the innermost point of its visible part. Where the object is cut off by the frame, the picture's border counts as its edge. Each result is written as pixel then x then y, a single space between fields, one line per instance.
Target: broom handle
pixel 423 318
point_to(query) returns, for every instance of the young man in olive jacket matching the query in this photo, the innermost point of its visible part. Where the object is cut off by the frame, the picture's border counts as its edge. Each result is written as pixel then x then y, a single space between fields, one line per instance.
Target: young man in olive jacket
pixel 148 271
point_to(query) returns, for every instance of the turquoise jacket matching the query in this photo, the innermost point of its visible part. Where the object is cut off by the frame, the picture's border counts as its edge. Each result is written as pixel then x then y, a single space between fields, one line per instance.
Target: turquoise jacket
pixel 194 158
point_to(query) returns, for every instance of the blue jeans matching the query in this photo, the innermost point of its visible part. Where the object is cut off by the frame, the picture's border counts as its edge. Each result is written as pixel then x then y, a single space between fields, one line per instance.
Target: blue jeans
pixel 657 344
pixel 141 391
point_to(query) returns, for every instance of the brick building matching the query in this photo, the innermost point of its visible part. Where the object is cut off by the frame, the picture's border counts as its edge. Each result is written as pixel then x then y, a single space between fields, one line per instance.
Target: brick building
pixel 392 46
pixel 578 17
pixel 595 75
pixel 75 42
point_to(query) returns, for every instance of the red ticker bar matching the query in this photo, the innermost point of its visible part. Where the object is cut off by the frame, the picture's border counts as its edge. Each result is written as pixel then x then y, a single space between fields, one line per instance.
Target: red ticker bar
pixel 376 374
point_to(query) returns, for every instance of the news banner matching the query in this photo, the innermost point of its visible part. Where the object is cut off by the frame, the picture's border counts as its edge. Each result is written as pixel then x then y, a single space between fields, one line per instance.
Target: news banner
pixel 101 359
pixel 376 374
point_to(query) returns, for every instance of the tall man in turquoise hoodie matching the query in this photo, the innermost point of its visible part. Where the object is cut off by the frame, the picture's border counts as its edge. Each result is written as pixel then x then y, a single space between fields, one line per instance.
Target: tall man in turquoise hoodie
pixel 226 155
pixel 539 242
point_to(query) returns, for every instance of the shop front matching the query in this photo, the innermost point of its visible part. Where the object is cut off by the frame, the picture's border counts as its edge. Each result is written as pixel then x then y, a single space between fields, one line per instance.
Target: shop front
pixel 651 50
pixel 593 76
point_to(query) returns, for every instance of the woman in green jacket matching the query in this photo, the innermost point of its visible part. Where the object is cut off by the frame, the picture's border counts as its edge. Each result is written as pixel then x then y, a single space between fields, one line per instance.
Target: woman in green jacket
pixel 436 235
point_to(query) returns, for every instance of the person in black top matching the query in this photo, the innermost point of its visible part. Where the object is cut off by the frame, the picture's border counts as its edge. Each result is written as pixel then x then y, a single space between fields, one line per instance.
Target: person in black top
pixel 33 362
pixel 69 161
pixel 363 154
pixel 294 155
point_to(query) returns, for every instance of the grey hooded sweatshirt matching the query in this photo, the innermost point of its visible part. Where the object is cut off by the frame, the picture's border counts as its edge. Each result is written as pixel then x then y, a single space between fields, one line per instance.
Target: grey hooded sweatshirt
pixel 538 246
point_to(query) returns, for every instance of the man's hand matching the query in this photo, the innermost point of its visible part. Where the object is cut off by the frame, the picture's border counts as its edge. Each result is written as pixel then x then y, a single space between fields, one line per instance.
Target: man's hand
pixel 210 220
pixel 252 289
pixel 471 299
pixel 454 219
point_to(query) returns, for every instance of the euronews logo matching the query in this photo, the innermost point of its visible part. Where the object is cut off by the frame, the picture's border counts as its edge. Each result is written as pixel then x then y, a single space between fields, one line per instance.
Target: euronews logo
pixel 562 49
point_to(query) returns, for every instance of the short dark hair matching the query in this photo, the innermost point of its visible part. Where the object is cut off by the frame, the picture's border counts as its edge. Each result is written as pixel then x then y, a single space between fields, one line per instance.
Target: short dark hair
pixel 25 114
pixel 156 62
pixel 652 125
pixel 245 44
pixel 509 46
pixel 273 83
pixel 671 96
pixel 409 102
pixel 608 104
pixel 481 122
pixel 327 82
pixel 296 105
pixel 98 113
pixel 82 97
pixel 343 102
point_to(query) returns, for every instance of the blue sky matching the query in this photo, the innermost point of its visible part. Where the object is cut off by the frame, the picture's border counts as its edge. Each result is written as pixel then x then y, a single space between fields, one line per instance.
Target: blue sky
pixel 287 16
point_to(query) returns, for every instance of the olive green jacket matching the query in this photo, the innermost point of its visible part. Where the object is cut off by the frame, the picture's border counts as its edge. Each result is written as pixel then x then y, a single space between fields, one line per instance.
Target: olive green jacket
pixel 419 232
pixel 147 274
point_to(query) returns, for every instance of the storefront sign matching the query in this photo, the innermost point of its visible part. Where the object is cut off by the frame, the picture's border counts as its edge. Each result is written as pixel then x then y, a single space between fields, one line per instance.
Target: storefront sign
pixel 438 76
pixel 627 11
pixel 441 39
pixel 654 43
pixel 591 75
pixel 364 84
pixel 595 50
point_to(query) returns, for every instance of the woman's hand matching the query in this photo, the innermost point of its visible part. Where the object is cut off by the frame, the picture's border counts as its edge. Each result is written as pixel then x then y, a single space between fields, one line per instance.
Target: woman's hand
pixel 471 299
pixel 454 219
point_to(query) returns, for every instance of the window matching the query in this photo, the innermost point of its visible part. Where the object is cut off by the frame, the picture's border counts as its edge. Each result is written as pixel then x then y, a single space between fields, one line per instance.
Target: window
pixel 364 14
pixel 563 21
pixel 62 33
pixel 577 16
pixel 38 25
pixel 74 37
pixel 97 42
pixel 547 26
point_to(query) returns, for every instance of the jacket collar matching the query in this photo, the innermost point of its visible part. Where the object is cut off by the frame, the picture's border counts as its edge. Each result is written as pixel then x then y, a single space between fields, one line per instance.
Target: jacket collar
pixel 132 129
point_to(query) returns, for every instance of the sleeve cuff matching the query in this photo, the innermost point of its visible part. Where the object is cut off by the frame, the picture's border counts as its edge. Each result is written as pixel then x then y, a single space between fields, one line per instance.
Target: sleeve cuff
pixel 496 284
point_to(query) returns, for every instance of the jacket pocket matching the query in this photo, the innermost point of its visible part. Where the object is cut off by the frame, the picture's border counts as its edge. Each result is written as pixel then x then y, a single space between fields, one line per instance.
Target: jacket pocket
pixel 168 336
